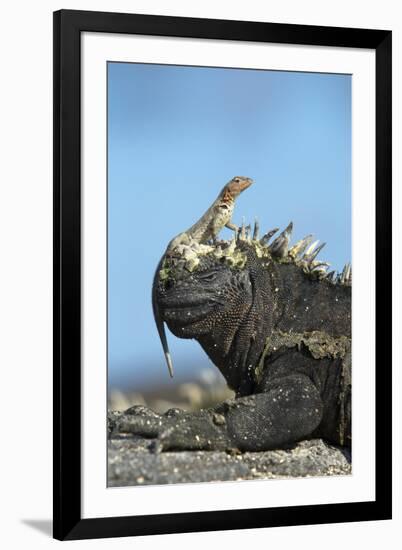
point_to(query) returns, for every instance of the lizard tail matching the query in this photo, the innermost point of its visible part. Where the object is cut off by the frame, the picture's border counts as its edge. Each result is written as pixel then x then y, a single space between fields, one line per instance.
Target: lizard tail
pixel 159 322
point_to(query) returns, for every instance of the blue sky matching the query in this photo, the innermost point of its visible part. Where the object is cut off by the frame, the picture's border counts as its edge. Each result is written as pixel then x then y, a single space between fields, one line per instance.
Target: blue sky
pixel 176 135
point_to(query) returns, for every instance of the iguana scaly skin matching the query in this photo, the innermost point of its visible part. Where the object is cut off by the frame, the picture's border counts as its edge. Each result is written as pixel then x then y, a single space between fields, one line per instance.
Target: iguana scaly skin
pixel 276 324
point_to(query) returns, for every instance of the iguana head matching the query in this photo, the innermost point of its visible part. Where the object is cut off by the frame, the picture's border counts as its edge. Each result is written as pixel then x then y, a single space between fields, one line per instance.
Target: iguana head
pixel 196 289
pixel 206 292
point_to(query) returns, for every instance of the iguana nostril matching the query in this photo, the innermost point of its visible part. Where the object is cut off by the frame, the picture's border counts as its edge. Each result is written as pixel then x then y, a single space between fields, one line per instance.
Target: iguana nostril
pixel 168 284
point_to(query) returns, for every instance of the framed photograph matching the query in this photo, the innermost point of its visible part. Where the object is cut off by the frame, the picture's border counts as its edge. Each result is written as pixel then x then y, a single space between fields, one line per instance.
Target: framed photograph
pixel 203 336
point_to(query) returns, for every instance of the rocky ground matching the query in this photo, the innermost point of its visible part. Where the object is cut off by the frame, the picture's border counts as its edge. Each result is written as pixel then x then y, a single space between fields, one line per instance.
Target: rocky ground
pixel 132 462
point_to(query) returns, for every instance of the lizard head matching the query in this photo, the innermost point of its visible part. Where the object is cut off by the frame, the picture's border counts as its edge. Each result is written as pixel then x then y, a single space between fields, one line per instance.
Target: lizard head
pixel 235 186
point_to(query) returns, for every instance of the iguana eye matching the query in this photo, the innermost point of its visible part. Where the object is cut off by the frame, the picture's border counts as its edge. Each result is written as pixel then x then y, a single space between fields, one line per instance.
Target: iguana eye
pixel 209 276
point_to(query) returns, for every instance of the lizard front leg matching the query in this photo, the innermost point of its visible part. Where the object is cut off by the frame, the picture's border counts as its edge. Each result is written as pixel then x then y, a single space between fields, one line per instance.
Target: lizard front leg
pixel 233 227
pixel 229 225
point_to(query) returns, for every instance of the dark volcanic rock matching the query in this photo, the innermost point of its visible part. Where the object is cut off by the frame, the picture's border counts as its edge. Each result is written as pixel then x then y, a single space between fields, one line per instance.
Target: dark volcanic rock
pixel 132 462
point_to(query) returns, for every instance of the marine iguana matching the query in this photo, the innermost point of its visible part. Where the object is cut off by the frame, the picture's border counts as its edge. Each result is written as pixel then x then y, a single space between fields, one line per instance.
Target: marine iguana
pixel 276 324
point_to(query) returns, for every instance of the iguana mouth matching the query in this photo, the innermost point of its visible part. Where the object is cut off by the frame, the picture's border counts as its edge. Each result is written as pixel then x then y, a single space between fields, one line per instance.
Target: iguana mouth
pixel 174 309
pixel 186 315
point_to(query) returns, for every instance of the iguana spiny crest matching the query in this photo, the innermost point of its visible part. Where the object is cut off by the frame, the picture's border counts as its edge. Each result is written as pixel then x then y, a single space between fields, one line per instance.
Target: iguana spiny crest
pixel 303 254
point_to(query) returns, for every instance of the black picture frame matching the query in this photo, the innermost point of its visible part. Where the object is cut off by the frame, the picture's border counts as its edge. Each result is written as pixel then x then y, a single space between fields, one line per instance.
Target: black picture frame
pixel 68 26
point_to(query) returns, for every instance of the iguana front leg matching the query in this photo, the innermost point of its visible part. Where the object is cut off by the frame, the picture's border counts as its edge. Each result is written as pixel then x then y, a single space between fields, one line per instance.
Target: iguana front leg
pixel 176 429
pixel 290 410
